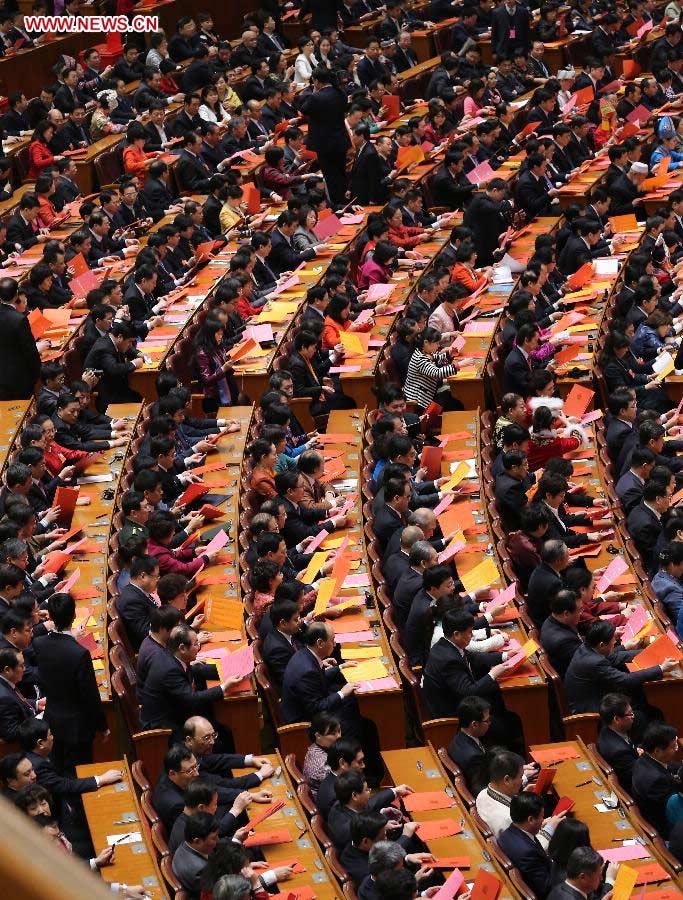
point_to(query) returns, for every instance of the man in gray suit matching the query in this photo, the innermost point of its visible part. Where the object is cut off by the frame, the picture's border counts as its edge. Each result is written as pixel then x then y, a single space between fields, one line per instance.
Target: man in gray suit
pixel 191 857
pixel 584 877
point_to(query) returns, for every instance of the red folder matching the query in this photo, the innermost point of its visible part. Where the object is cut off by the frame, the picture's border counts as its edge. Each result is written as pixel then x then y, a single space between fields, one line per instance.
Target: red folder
pixel 392 104
pixel 544 780
pixel 431 458
pixel 65 498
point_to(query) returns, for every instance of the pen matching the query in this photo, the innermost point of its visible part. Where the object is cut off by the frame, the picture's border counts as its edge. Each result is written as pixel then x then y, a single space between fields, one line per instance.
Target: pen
pixel 584 783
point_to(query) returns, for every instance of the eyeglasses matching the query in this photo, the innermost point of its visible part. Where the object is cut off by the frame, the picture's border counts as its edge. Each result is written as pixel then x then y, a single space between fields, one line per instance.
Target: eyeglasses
pixel 209 738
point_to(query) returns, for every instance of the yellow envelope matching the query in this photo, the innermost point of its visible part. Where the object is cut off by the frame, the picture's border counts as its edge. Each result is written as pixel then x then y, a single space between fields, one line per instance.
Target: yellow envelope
pixel 461 471
pixel 325 591
pixel 624 883
pixel 480 576
pixel 529 648
pixel 98 665
pixel 224 614
pixel 314 566
pixel 584 326
pixel 365 671
pixel 361 652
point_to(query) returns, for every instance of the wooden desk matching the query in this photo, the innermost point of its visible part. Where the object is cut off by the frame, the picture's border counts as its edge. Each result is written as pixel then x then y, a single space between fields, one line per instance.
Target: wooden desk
pixel 608 829
pixel 86 177
pixel 106 810
pixel 524 694
pixel 303 847
pixel 12 416
pixel 421 769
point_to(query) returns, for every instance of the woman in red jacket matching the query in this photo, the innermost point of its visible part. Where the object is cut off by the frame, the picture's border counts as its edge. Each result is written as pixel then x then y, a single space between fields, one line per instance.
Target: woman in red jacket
pixel 464 272
pixel 435 125
pixel 57 458
pixel 181 561
pixel 338 319
pixel 135 160
pixel 546 441
pixel 401 235
pixel 39 153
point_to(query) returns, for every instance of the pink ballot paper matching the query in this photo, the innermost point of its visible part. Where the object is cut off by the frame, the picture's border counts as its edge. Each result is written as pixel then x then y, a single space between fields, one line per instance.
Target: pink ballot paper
pixel 451 550
pixel 636 623
pixel 450 889
pixel 260 333
pixel 317 541
pixel 379 291
pixel 622 854
pixel 363 316
pixel 444 504
pixel 286 285
pixel 502 597
pixel 220 540
pixel 70 582
pixel 611 573
pixel 591 416
pixel 240 663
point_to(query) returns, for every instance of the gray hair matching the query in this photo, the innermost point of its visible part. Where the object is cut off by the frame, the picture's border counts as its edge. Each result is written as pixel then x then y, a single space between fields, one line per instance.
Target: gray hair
pixel 383 856
pixel 421 517
pixel 410 535
pixel 420 552
pixel 553 551
pixel 232 887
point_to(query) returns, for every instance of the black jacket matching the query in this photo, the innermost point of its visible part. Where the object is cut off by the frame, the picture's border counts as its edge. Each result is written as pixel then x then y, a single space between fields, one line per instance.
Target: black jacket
pixel 620 753
pixel 532 195
pixel 472 760
pixel 487 220
pixel 406 590
pixel 366 181
pixel 21 362
pixel 277 651
pixel 447 678
pixel 135 608
pixel 157 197
pixel 13 711
pixel 168 698
pixel 544 583
pixel 517 373
pixel 326 110
pixel 283 257
pixel 590 676
pixel 527 855
pixel 193 173
pixel 651 786
pixel 74 709
pixel 644 527
pixel 510 500
pixel 113 385
pixel 559 642
pixel 509 32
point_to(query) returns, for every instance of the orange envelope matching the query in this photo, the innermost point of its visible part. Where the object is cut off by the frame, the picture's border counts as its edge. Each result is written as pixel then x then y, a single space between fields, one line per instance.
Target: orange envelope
pixel 438 828
pixel 630 68
pixel 545 756
pixel 406 156
pixel 451 862
pixel 266 838
pixel 651 872
pixel 392 104
pixel 422 800
pixel 58 318
pixel 578 401
pixel 431 460
pixel 251 197
pixel 486 886
pixel 458 516
pixel 585 95
pixel 567 355
pixel 581 276
pixel 243 350
pixel 65 499
pixel 660 649
pixel 623 223
pixel 38 323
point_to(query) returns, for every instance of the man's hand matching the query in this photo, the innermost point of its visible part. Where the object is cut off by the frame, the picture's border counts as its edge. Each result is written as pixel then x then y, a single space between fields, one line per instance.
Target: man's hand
pixel 240 803
pixel 348 689
pixel 262 796
pixel 229 682
pixel 265 771
pixel 668 665
pixel 402 790
pixel 105 857
pixel 111 776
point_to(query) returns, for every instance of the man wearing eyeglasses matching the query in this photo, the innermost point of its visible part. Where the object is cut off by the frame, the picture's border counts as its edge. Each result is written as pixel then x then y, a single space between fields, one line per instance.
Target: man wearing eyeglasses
pixel 200 738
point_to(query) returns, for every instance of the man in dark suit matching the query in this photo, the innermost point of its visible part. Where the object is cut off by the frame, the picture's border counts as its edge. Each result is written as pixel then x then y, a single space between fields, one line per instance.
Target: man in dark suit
pixel 625 191
pixel 73 133
pixel 36 741
pixel 422 556
pixel 15 119
pixel 404 57
pixel 581 248
pixel 597 669
pixel 546 579
pixel 655 776
pixel 630 486
pixel 467 749
pixel 73 709
pixel 21 361
pixel 135 603
pixel 392 515
pixel 282 641
pixel 450 184
pixel 396 564
pixel 518 365
pixel 170 696
pixel 369 67
pixel 520 842
pixel 584 876
pixel 325 109
pixel 180 768
pixel 156 194
pixel 644 522
pixel 511 487
pixel 622 407
pixel 66 190
pixel 366 184
pixel 110 355
pixel 22 227
pixel 533 193
pixel 352 798
pixel 486 216
pixel 510 29
pixel 188 119
pixel 198 73
pixel 614 744
pixel 301 522
pixel 312 684
pixel 559 635
pixel 193 173
pixel 452 673
pixel 15 708
pixel 283 257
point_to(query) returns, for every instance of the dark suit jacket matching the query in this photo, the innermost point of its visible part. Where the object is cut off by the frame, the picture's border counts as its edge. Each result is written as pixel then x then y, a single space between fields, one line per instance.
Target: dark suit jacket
pixel 308 689
pixel 326 111
pixel 590 676
pixel 574 254
pixel 193 173
pixel 62 787
pixel 387 521
pixel 113 385
pixel 366 184
pixel 529 857
pixel 619 753
pixel 471 759
pixel 21 362
pixel 502 27
pixel 277 652
pixel 629 490
pixel 167 799
pixel 485 217
pixel 651 786
pixel 453 191
pixel 13 122
pixel 74 708
pixel 644 527
pixel 13 711
pixel 532 195
pixel 544 583
pixel 409 584
pixel 283 257
pixel 510 500
pixel 517 373
pixel 157 197
pixel 135 609
pixel 447 679
pixel 325 798
pixel 623 192
pixel 168 698
pixel 559 642
pixel 301 523
pixel 617 432
pixel 20 232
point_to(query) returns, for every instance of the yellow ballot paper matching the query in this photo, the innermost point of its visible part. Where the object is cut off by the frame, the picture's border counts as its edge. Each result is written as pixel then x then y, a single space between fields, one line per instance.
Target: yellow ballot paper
pixel 480 576
pixel 624 883
pixel 331 543
pixel 361 652
pixel 461 471
pixel 325 591
pixel 224 614
pixel 350 603
pixel 666 370
pixel 366 671
pixel 314 566
pixel 529 648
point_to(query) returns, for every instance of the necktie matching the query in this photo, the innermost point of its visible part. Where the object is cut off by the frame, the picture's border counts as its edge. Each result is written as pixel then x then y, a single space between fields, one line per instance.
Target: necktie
pixel 23 699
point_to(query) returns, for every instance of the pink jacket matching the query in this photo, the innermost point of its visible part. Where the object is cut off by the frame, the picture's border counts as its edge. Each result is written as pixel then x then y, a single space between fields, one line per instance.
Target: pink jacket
pixel 179 562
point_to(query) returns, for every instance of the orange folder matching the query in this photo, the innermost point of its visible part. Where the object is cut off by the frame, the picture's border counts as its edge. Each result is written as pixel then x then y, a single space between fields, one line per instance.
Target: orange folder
pixel 486 886
pixel 406 156
pixel 623 223
pixel 438 828
pixel 422 800
pixel 65 499
pixel 251 197
pixel 243 350
pixel 630 68
pixel 457 516
pixel 267 838
pixel 651 872
pixel 581 276
pixel 545 756
pixel 392 104
pixel 660 649
pixel 578 401
pixel 567 355
pixel 431 459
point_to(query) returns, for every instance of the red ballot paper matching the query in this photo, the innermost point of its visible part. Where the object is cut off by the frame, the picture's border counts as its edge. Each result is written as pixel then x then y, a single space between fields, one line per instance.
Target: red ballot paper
pixel 88 641
pixel 578 401
pixel 431 459
pixel 327 227
pixel 211 512
pixel 584 95
pixel 251 196
pixel 544 780
pixel 640 114
pixel 422 800
pixel 65 499
pixel 547 755
pixel 486 886
pixel 450 889
pixel 392 104
pixel 267 812
pixel 651 872
pixel 305 892
pixel 451 862
pixel 79 265
pixel 292 864
pixel 192 492
pixel 564 804
pixel 660 649
pixel 266 838
pixel 56 561
pixel 38 323
pixel 438 828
